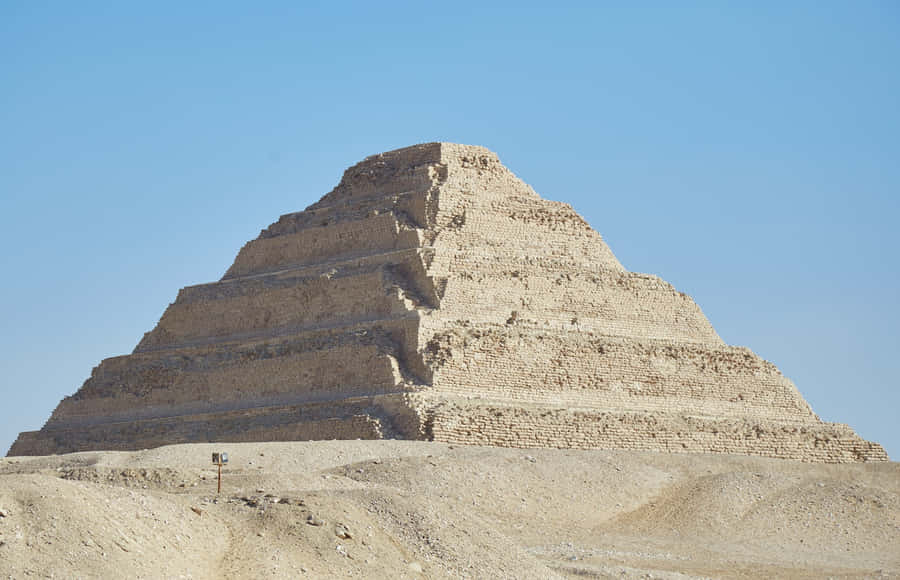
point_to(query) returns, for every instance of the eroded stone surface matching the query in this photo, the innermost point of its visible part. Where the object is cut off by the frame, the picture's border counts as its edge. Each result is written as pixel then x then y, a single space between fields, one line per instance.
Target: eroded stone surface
pixel 433 295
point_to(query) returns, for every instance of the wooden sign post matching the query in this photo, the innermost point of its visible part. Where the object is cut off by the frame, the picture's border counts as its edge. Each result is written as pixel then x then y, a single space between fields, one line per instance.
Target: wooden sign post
pixel 220 459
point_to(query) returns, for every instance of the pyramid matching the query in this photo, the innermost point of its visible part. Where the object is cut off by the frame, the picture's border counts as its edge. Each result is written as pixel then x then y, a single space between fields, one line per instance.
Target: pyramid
pixel 433 295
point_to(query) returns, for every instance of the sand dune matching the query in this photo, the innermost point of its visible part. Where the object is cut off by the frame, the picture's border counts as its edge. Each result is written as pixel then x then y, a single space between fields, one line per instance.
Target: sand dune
pixel 401 509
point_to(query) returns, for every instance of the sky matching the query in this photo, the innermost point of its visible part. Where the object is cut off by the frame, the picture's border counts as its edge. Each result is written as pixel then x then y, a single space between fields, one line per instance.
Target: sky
pixel 746 152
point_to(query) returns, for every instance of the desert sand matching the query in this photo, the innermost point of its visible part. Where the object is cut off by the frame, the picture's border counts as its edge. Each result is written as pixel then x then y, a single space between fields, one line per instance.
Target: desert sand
pixel 407 509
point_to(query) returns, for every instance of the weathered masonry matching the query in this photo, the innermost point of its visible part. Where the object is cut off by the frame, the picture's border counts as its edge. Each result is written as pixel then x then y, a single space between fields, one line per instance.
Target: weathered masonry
pixel 433 295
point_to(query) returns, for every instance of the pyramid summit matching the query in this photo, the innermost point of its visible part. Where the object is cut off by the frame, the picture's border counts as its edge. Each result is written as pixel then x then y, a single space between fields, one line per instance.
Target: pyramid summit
pixel 433 295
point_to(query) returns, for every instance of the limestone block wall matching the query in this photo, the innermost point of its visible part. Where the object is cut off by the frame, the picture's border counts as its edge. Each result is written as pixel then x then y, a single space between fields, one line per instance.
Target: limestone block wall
pixel 626 305
pixel 380 287
pixel 378 233
pixel 400 171
pixel 508 223
pixel 288 423
pixel 570 369
pixel 527 426
pixel 310 367
pixel 272 304
pixel 303 377
pixel 410 209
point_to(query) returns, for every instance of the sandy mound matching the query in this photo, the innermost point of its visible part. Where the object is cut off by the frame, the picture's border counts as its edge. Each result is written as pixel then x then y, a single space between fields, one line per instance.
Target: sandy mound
pixel 399 509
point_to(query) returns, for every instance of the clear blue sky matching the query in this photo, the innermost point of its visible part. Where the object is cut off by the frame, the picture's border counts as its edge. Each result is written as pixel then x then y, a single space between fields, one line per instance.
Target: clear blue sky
pixel 747 152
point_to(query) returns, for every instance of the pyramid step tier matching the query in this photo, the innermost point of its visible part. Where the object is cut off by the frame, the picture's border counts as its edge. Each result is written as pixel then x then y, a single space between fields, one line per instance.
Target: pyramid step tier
pixel 329 241
pixel 516 362
pixel 533 426
pixel 376 287
pixel 312 366
pixel 397 283
pixel 466 422
pixel 502 362
pixel 357 418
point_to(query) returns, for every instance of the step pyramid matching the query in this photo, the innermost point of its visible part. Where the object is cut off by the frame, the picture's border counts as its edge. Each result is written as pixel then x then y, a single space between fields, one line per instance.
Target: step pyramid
pixel 433 295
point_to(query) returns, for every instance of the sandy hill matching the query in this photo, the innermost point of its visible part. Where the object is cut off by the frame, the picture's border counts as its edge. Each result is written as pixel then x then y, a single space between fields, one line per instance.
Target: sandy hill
pixel 406 509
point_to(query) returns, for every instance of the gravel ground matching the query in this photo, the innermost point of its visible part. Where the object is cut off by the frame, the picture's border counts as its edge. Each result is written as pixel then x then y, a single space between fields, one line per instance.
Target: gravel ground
pixel 402 509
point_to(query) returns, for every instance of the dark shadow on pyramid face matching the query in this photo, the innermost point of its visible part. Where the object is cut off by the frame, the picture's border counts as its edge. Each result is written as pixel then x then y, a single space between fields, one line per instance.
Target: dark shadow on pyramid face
pixel 433 295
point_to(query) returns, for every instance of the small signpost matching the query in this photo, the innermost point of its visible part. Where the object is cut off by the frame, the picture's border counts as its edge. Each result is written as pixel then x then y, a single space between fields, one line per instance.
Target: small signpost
pixel 220 459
